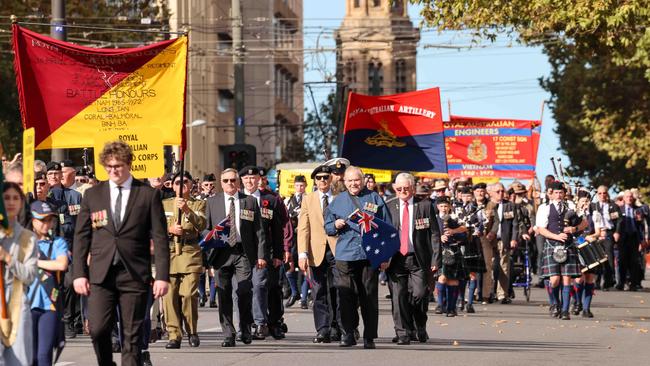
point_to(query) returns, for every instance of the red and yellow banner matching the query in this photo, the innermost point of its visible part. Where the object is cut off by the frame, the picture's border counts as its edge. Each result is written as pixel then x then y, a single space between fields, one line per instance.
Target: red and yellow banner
pixel 483 147
pixel 72 93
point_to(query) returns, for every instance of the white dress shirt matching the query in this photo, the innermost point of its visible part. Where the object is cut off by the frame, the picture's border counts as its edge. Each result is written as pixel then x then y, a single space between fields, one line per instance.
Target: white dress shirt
pixel 411 213
pixel 543 211
pixel 227 206
pixel 126 191
pixel 604 209
pixel 320 198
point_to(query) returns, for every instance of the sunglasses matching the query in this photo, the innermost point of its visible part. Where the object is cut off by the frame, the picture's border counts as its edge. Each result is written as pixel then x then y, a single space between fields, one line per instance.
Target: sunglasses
pixel 38 184
pixel 231 180
pixel 115 167
pixel 185 181
pixel 400 189
pixel 322 177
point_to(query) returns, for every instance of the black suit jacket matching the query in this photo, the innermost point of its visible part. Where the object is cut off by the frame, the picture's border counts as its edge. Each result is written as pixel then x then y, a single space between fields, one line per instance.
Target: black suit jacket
pixel 251 233
pixel 509 223
pixel 144 220
pixel 426 240
pixel 274 219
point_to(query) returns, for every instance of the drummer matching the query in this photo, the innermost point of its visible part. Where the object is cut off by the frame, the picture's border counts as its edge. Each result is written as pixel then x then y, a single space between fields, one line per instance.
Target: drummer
pixel 595 233
pixel 560 257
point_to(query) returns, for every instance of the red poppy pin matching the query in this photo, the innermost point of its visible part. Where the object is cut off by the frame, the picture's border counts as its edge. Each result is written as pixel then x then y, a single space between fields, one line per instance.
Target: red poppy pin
pixel 265 203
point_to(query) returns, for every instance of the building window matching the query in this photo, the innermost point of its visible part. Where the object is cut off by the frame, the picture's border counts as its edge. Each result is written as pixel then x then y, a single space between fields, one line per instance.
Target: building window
pixel 356 3
pixel 376 3
pixel 400 76
pixel 224 42
pixel 375 78
pixel 225 101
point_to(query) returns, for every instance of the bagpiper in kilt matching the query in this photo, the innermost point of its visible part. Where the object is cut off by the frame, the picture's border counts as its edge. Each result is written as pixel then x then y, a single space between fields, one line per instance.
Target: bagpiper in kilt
pixel 560 257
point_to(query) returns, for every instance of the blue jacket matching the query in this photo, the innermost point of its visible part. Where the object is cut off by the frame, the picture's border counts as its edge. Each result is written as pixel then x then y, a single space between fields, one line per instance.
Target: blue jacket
pixel 348 245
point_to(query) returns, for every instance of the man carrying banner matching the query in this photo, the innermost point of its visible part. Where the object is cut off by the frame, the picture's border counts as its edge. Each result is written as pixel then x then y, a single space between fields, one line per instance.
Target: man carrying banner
pixel 316 255
pixel 356 280
pixel 246 249
pixel 409 268
pixel 185 263
pixel 116 224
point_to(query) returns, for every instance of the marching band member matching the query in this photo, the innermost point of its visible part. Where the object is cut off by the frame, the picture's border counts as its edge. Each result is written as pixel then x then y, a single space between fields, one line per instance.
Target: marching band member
pixel 560 258
pixel 473 217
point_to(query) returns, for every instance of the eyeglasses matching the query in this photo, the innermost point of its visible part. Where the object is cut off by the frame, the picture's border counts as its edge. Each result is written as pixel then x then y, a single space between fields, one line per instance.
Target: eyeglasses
pixel 400 189
pixel 114 167
pixel 39 184
pixel 322 177
pixel 208 184
pixel 231 180
pixel 185 181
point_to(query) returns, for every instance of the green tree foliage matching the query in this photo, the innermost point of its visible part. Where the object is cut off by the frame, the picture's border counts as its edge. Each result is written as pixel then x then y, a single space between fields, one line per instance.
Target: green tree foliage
pixel 110 14
pixel 599 51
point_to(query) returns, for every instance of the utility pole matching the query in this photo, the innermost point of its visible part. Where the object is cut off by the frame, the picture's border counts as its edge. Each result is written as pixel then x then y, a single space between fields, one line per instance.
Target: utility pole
pixel 57 31
pixel 238 65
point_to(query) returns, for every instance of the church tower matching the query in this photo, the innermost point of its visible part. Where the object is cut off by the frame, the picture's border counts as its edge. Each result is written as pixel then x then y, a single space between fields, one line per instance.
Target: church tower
pixel 376 48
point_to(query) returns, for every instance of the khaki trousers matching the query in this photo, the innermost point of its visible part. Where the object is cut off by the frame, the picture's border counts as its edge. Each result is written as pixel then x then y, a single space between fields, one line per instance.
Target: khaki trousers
pixel 182 303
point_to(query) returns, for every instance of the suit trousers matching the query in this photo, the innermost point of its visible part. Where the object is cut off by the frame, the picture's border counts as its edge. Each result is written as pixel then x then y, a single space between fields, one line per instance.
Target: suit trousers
pixel 72 303
pixel 182 304
pixel 267 295
pixel 608 268
pixel 628 261
pixel 326 311
pixel 357 283
pixel 410 298
pixel 237 266
pixel 489 252
pixel 503 270
pixel 118 289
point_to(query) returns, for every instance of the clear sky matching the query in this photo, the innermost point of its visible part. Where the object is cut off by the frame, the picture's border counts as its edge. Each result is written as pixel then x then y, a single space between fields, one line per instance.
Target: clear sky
pixel 499 80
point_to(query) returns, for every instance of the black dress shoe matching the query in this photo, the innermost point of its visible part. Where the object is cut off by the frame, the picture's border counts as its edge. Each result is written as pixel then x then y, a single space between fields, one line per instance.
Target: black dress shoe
pixel 356 334
pixel 277 333
pixel 506 300
pixel 228 342
pixel 470 309
pixel 413 336
pixel 619 287
pixel 395 339
pixel 347 341
pixel 438 310
pixel 322 337
pixel 370 344
pixel 246 337
pixel 587 314
pixel 292 300
pixel 565 315
pixel 335 334
pixel 401 341
pixel 303 305
pixel 451 314
pixel 173 344
pixel 423 336
pixel 202 301
pixel 213 304
pixel 194 340
pixel 146 359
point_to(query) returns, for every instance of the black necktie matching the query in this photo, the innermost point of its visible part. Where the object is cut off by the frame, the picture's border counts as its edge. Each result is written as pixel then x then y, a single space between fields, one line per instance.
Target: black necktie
pixel 117 220
pixel 117 212
pixel 232 238
pixel 325 203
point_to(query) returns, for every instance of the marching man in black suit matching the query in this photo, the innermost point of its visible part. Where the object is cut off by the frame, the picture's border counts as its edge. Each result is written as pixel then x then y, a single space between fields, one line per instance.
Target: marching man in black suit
pixel 409 268
pixel 247 250
pixel 112 258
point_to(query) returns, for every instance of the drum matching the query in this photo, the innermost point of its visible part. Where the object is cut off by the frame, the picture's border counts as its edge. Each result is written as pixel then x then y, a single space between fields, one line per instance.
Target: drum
pixel 591 255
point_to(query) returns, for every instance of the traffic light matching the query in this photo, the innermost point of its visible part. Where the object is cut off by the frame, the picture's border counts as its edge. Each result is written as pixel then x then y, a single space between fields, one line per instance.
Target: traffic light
pixel 238 156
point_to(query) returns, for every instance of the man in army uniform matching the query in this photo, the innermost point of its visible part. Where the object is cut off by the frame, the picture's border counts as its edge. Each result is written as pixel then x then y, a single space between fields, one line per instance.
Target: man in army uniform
pixel 185 264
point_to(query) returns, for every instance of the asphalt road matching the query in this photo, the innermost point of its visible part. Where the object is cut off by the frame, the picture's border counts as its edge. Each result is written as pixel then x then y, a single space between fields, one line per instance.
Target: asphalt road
pixel 514 334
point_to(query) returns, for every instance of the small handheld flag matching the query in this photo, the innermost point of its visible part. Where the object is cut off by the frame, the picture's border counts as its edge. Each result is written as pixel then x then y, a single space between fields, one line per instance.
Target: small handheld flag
pixel 380 239
pixel 217 237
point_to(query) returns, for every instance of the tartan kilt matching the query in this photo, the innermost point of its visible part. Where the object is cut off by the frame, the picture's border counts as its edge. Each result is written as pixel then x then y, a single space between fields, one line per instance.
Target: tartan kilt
pixel 455 271
pixel 550 267
pixel 473 260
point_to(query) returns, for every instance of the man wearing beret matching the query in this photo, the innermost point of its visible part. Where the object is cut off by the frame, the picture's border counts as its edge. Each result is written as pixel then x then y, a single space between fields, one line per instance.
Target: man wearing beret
pixel 185 263
pixel 68 175
pixel 316 253
pixel 267 293
pixel 207 187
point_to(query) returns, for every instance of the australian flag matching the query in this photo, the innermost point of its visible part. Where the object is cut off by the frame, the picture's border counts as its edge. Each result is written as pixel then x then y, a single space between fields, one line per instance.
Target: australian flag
pixel 217 237
pixel 380 239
